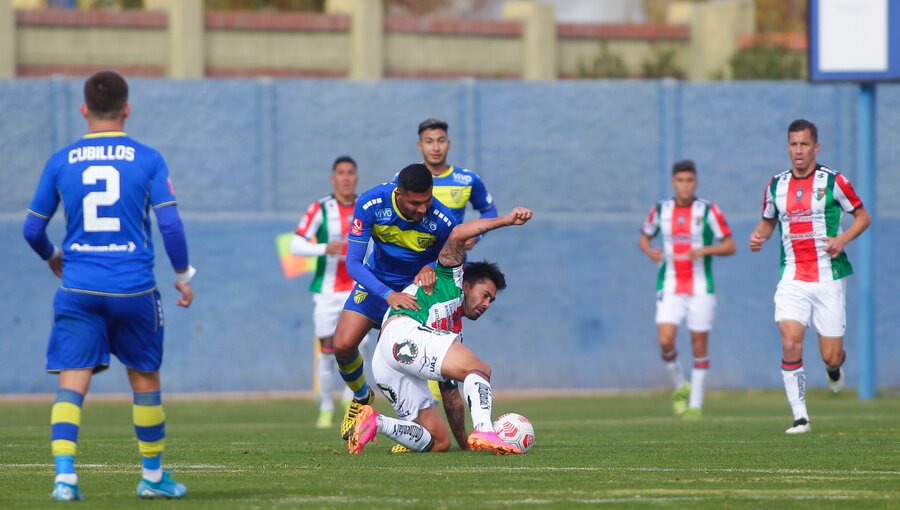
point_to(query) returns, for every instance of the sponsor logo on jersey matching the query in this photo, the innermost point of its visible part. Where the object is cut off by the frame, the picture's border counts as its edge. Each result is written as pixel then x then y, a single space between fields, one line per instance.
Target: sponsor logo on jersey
pixel 388 392
pixel 819 193
pixel 799 193
pixel 356 228
pixel 425 242
pixel 462 178
pixel 805 215
pixel 405 352
pixel 430 225
pixel 106 248
pixel 359 296
pixel 428 364
pixel 799 236
pixel 384 214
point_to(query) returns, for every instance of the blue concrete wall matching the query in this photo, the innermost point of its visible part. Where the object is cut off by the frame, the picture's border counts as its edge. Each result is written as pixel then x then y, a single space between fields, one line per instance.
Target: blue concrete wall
pixel 247 157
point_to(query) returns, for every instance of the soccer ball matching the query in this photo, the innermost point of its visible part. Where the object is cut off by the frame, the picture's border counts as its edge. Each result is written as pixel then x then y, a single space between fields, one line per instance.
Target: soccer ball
pixel 516 430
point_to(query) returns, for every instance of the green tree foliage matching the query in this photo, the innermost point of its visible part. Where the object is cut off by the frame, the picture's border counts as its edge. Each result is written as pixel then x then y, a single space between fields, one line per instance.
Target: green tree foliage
pixel 767 62
pixel 605 64
pixel 661 64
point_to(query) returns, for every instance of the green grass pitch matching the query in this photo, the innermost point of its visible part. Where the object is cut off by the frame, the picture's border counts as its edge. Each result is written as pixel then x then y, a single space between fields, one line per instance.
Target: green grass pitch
pixel 607 451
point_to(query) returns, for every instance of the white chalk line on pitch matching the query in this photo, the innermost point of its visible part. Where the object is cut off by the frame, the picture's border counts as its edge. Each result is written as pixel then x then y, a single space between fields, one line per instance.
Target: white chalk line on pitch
pixel 494 469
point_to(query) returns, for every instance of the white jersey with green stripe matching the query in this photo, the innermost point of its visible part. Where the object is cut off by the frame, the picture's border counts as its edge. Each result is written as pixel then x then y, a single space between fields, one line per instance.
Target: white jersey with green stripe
pixel 442 309
pixel 683 229
pixel 809 211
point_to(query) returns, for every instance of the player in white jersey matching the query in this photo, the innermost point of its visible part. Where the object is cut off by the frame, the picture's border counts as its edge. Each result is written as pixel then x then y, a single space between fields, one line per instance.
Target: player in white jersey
pixel 411 351
pixel 807 203
pixel 456 188
pixel 322 232
pixel 688 226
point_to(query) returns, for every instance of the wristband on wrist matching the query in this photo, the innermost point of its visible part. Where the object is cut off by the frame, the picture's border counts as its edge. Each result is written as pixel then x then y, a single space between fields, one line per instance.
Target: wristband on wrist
pixel 187 275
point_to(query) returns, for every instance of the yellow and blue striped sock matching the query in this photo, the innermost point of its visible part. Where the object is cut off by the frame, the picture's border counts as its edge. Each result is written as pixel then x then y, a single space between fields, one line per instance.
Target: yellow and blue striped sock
pixel 352 373
pixel 65 420
pixel 150 428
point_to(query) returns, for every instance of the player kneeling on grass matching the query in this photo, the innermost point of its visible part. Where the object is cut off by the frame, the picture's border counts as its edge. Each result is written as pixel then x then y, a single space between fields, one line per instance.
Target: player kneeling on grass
pixel 421 345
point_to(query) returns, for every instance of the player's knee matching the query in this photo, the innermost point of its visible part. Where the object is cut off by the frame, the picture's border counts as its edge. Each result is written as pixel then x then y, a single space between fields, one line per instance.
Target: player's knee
pixel 833 359
pixel 344 346
pixel 482 367
pixel 440 444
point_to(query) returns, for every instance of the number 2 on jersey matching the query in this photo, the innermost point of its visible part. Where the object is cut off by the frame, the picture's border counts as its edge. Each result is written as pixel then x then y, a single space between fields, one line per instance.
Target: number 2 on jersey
pixel 95 199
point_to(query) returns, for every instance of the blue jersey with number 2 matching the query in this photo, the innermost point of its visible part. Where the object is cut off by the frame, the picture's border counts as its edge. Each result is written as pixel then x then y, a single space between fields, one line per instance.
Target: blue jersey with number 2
pixel 107 183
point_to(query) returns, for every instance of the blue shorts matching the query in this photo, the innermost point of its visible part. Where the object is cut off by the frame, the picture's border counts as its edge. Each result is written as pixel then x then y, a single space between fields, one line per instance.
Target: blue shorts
pixel 364 302
pixel 88 327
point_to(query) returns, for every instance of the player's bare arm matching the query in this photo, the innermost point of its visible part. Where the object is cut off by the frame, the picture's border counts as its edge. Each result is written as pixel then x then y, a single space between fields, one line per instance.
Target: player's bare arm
pixel 723 249
pixel 762 233
pixel 834 246
pixel 654 254
pixel 454 251
pixel 455 409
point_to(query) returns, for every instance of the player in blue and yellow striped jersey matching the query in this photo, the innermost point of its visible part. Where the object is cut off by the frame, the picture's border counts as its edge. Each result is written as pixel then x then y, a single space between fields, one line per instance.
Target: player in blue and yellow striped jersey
pixel 108 302
pixel 408 229
pixel 454 187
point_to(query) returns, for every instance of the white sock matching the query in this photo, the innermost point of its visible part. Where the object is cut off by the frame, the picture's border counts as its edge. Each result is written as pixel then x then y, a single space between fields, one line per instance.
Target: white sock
pixel 152 475
pixel 408 433
pixel 698 378
pixel 795 388
pixel 327 369
pixel 674 368
pixel 69 478
pixel 477 389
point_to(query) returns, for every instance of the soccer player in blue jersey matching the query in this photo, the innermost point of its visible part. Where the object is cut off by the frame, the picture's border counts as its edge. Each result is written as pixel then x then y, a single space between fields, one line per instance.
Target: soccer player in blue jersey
pixel 408 229
pixel 108 302
pixel 454 187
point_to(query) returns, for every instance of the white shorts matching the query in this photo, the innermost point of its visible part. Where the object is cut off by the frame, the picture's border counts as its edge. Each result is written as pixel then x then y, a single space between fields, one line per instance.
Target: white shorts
pixel 698 310
pixel 823 301
pixel 327 311
pixel 407 355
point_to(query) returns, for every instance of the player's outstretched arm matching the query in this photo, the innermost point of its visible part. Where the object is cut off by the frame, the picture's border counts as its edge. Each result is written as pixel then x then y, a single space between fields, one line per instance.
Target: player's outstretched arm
pixel 454 251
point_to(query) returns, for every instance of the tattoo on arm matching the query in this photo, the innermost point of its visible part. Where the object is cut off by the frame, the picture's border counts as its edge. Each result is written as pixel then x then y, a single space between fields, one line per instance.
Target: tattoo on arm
pixel 456 415
pixel 452 254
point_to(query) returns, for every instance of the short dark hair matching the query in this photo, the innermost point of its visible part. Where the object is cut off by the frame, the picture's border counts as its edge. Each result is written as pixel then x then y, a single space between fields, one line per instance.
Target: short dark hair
pixel 106 94
pixel 343 159
pixel 685 165
pixel 415 178
pixel 800 125
pixel 432 123
pixel 477 271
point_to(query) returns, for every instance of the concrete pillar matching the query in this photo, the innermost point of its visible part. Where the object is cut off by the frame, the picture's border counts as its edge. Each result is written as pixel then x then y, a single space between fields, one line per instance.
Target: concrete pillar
pixel 7 39
pixel 538 39
pixel 187 44
pixel 716 28
pixel 366 36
